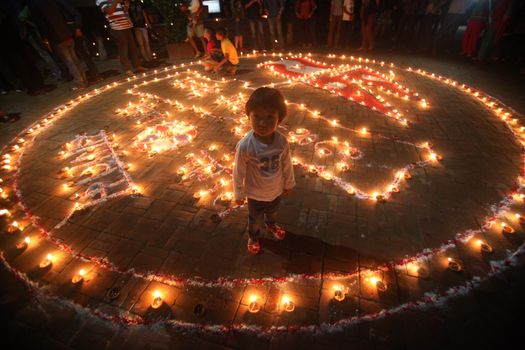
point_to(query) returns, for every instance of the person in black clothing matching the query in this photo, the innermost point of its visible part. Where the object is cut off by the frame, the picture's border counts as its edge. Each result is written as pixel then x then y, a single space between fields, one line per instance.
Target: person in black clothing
pixel 16 56
pixel 50 17
pixel 253 13
pixel 140 28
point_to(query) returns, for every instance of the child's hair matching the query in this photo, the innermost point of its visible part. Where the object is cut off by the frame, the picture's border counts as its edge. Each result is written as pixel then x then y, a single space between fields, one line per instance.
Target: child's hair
pixel 269 98
pixel 209 31
pixel 221 31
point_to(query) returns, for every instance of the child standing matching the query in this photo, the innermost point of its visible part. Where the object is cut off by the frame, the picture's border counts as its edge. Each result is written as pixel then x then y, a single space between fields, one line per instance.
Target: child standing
pixel 231 59
pixel 263 169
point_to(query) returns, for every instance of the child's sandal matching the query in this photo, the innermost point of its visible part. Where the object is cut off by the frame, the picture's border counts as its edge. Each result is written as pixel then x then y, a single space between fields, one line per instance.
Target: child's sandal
pixel 277 231
pixel 253 246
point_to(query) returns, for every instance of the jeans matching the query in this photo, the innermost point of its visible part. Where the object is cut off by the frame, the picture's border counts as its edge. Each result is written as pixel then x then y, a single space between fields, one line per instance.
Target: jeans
pixel 126 46
pixel 257 210
pixel 66 51
pixel 275 25
pixel 141 35
pixel 306 31
pixel 256 27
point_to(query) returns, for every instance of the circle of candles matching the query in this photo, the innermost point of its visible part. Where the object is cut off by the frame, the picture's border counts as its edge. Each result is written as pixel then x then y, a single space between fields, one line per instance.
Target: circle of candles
pixel 78 277
pixel 48 261
pixel 454 265
pixel 24 244
pixel 157 300
pixel 506 228
pixel 288 305
pixel 339 294
pixel 254 306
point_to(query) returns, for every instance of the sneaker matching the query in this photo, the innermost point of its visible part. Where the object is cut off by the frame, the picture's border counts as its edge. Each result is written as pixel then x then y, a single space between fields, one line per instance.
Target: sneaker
pixel 253 246
pixel 277 231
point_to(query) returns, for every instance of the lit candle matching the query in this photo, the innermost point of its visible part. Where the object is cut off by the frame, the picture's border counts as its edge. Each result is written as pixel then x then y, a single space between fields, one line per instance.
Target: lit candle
pixel 506 228
pixel 484 247
pixel 287 304
pixel 254 306
pixel 339 294
pixel 157 300
pixel 363 131
pixel 14 227
pixel 453 265
pixel 24 244
pixel 378 283
pixel 79 277
pixel 48 261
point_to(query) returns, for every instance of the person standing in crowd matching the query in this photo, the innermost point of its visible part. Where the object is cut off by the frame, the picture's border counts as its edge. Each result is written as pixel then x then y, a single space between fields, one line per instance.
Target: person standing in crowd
pixel 475 25
pixel 304 10
pixel 140 29
pixel 407 23
pixel 253 12
pixel 429 24
pixel 196 26
pixel 348 22
pixel 213 54
pixel 289 19
pixel 334 28
pixel 500 18
pixel 49 16
pixel 369 9
pixel 17 66
pixel 121 28
pixel 274 9
pixel 237 8
pixel 455 16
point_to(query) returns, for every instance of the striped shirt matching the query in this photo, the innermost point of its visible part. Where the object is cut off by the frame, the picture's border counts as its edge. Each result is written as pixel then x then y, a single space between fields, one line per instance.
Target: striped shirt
pixel 119 19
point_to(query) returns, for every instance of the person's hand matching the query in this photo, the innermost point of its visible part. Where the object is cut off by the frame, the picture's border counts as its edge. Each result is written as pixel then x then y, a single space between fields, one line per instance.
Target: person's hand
pixel 287 192
pixel 239 201
pixel 78 33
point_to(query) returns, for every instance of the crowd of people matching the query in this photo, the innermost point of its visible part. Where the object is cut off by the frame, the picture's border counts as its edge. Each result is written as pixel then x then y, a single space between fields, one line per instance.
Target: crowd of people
pixel 50 41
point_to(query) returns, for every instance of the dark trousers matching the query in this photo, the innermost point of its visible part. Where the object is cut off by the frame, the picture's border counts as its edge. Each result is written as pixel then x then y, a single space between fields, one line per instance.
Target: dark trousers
pixel 83 53
pixel 257 210
pixel 126 46
pixel 306 31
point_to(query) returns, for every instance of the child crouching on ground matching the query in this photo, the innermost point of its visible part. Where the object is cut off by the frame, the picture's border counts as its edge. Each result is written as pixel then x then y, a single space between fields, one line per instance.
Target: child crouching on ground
pixel 213 50
pixel 231 60
pixel 263 169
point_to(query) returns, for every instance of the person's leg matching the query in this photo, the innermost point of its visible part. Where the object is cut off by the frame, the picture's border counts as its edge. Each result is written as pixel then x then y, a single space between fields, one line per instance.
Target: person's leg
pixel 253 30
pixel 83 54
pixel 209 64
pixel 271 215
pixel 147 46
pixel 272 22
pixel 140 42
pixel 122 44
pixel 133 51
pixel 371 31
pixel 78 63
pixel 255 218
pixel 311 34
pixel 279 27
pixel 331 28
pixel 337 35
pixel 56 73
pixel 364 38
pixel 262 42
pixel 289 33
pixel 65 53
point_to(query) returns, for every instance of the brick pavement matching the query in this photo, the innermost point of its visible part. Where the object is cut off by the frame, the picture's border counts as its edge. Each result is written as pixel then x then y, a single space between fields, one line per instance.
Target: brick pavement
pixel 167 231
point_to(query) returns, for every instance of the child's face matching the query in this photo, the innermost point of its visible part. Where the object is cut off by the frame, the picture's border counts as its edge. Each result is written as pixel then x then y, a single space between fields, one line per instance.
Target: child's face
pixel 207 36
pixel 219 37
pixel 264 121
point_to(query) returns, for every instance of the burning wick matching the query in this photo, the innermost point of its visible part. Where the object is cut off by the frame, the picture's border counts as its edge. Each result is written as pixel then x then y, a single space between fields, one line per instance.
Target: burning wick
pixel 24 244
pixel 506 228
pixel 288 304
pixel 157 300
pixel 484 247
pixel 453 265
pixel 339 294
pixel 78 277
pixel 48 261
pixel 254 306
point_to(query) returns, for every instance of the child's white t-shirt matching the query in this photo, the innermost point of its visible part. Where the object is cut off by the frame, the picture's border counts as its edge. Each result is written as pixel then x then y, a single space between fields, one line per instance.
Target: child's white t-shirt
pixel 262 171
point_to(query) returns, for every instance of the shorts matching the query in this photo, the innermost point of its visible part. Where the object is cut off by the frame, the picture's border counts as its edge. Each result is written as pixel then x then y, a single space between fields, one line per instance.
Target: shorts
pixel 197 31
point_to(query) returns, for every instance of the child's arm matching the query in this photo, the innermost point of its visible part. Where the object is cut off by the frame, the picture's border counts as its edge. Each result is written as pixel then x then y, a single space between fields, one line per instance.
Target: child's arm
pixel 222 63
pixel 288 175
pixel 239 174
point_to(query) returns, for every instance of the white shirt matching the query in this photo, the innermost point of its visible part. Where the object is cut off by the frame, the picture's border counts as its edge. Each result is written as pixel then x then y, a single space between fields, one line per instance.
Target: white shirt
pixel 262 171
pixel 349 6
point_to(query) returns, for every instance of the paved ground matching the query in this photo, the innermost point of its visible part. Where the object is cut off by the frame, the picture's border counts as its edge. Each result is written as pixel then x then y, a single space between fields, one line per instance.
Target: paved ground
pixel 166 231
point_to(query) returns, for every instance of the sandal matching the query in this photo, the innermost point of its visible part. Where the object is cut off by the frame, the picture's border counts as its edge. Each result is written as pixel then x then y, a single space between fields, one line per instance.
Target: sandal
pixel 254 246
pixel 277 231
